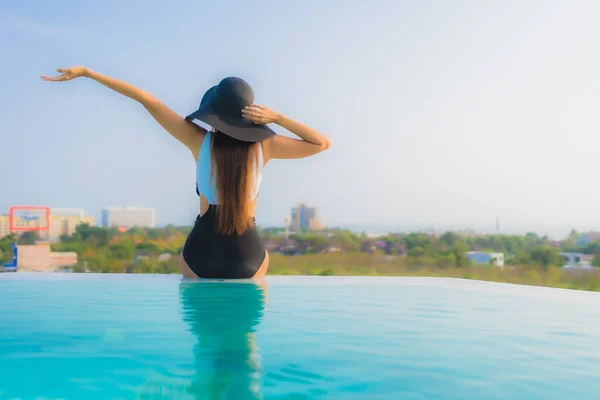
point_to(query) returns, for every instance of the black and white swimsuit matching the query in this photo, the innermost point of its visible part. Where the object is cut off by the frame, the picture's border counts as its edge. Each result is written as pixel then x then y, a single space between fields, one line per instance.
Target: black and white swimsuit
pixel 210 254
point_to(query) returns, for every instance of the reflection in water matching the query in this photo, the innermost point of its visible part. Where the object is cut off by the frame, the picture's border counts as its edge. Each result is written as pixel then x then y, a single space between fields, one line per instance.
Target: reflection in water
pixel 223 316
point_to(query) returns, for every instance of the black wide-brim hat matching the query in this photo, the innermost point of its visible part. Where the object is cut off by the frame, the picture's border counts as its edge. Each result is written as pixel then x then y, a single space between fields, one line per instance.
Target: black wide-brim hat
pixel 221 107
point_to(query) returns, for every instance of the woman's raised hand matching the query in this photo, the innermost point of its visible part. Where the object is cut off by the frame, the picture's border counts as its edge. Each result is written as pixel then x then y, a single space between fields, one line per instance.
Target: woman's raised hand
pixel 66 74
pixel 260 114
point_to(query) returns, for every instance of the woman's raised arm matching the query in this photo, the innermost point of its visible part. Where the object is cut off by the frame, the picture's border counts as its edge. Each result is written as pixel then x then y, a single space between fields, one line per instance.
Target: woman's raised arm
pixel 310 143
pixel 185 131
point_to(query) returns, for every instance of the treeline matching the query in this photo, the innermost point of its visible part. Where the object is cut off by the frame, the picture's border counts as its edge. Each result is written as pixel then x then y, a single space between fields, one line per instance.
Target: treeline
pixel 446 250
pixel 143 250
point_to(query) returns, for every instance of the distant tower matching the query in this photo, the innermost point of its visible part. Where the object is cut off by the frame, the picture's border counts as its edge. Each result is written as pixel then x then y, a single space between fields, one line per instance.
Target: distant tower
pixel 497 224
pixel 287 227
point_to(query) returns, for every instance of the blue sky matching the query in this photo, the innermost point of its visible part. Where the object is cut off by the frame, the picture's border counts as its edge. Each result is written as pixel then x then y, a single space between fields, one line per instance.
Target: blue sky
pixel 442 114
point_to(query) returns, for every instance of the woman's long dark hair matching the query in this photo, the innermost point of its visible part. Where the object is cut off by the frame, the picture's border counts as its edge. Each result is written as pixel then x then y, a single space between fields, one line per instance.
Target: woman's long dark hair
pixel 232 162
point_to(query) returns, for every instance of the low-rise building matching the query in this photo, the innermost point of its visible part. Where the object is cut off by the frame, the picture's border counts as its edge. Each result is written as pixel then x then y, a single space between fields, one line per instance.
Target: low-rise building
pixel 64 225
pixel 576 260
pixel 39 258
pixel 272 245
pixel 164 257
pixel 481 257
pixel 290 247
pixel 142 255
pixel 334 248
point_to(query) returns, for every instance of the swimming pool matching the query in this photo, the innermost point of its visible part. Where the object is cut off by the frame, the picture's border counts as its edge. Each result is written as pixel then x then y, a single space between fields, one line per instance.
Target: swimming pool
pixel 87 336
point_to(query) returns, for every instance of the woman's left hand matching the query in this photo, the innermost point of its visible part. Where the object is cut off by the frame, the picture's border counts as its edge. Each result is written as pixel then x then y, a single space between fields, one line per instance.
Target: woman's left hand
pixel 260 114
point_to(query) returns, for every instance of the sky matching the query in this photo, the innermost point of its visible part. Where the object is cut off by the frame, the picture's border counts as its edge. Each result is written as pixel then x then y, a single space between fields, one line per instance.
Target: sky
pixel 442 115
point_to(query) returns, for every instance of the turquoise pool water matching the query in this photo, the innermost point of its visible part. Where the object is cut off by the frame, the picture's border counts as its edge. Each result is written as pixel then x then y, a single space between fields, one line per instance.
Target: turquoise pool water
pixel 69 336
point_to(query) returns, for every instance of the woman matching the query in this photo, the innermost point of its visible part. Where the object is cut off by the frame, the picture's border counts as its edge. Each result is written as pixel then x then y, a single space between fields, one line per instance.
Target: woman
pixel 224 242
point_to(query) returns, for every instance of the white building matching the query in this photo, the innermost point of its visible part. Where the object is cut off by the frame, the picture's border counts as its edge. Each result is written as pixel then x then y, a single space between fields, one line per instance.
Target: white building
pixel 577 260
pixel 128 217
pixel 64 225
pixel 480 257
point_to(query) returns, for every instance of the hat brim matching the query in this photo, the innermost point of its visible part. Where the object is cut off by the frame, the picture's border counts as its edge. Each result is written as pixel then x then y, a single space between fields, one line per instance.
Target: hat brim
pixel 238 128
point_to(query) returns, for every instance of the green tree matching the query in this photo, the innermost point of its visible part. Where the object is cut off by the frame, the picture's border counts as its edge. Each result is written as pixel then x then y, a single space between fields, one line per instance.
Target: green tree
pixel 546 256
pixel 348 240
pixel 366 245
pixel 148 246
pixel 569 245
pixel 449 238
pixel 317 243
pixel 416 252
pixel 92 241
pixel 29 238
pixel 79 268
pixel 138 231
pixel 596 261
pixel 513 244
pixel 522 257
pixel 497 244
pixel 417 240
pixel 448 261
pixel 6 251
pixel 84 231
pixel 96 262
pixel 592 248
pixel 460 255
pixel 77 246
pixel 122 251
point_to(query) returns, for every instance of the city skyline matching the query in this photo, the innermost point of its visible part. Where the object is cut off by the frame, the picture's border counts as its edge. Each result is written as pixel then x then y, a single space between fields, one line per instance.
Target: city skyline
pixel 493 227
